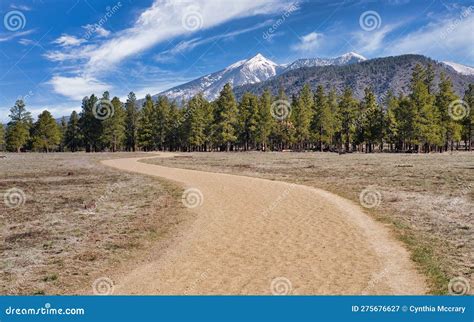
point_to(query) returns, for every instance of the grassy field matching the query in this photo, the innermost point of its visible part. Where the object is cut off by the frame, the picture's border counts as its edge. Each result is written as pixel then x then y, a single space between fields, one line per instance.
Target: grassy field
pixel 426 199
pixel 74 220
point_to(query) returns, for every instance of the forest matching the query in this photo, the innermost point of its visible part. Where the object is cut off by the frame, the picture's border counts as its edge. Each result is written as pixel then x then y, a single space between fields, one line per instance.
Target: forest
pixel 431 118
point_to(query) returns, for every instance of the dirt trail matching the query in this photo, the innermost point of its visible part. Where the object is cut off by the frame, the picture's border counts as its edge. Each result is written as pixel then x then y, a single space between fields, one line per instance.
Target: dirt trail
pixel 250 232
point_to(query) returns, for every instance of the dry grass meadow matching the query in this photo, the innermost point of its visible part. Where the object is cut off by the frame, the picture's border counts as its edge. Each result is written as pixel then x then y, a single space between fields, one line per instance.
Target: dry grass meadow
pixel 426 199
pixel 79 221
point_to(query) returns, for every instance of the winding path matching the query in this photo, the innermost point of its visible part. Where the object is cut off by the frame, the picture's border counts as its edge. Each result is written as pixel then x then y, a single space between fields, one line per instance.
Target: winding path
pixel 257 236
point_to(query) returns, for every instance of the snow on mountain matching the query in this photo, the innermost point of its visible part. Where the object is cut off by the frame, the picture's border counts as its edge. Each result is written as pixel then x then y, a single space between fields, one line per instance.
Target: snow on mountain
pixel 349 58
pixel 254 70
pixel 250 71
pixel 461 69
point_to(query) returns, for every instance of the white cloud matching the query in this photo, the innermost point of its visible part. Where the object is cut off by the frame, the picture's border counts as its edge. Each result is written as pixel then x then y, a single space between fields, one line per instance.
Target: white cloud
pixel 448 37
pixel 20 7
pixel 13 35
pixel 26 42
pixel 99 30
pixel 371 41
pixel 164 20
pixel 308 43
pixel 68 41
pixel 77 87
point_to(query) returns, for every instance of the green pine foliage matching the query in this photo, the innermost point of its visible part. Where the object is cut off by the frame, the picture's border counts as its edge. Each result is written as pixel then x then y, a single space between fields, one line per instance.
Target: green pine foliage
pixel 18 129
pixel 432 118
pixel 73 136
pixel 46 133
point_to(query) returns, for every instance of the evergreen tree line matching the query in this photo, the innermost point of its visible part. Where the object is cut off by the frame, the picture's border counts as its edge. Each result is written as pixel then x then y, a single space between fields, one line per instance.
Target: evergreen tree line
pixel 427 119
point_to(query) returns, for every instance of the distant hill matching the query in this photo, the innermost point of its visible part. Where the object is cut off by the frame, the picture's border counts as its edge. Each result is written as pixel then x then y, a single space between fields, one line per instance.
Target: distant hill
pixel 382 74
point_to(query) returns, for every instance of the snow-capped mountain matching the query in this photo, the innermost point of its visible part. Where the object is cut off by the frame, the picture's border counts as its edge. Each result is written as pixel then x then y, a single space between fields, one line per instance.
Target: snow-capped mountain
pixel 349 58
pixel 250 71
pixel 461 69
pixel 254 70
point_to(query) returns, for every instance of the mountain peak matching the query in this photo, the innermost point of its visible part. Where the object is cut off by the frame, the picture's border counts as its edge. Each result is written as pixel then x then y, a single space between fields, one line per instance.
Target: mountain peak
pixel 258 57
pixel 353 54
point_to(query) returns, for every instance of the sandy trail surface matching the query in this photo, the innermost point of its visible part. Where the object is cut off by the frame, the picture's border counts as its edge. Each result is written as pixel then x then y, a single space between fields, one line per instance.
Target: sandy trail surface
pixel 256 236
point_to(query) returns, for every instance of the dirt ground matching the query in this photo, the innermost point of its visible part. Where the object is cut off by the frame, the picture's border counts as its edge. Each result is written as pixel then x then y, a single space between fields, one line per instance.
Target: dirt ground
pixel 254 236
pixel 72 220
pixel 426 199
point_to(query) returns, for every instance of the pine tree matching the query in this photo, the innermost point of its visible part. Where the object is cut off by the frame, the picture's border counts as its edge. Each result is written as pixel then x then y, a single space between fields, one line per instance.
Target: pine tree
pixel 73 137
pixel 208 124
pixel 322 124
pixel 301 116
pixel 391 121
pixel 91 127
pixel 172 137
pixel 407 117
pixel 163 122
pixel 18 128
pixel 248 114
pixel 46 133
pixel 451 129
pixel 283 133
pixel 225 118
pixel 62 128
pixel 2 137
pixel 195 123
pixel 334 108
pixel 345 118
pixel 265 122
pixel 131 122
pixel 468 121
pixel 373 120
pixel 113 135
pixel 146 127
pixel 427 119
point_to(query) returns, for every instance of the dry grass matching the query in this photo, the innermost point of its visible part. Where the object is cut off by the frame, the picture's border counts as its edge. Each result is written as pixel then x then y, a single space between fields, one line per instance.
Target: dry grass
pixel 428 199
pixel 80 221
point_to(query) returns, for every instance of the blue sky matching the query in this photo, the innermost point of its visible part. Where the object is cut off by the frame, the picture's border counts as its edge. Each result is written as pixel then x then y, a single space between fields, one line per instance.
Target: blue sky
pixel 54 52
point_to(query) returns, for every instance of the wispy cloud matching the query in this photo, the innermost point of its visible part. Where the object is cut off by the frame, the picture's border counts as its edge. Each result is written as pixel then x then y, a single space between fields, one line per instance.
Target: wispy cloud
pixel 446 37
pixel 68 41
pixel 188 45
pixel 77 87
pixel 21 7
pixel 13 35
pixel 308 43
pixel 368 42
pixel 164 20
pixel 99 30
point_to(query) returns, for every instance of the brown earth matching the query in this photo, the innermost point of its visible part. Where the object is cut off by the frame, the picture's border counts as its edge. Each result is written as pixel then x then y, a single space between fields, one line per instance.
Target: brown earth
pixel 257 236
